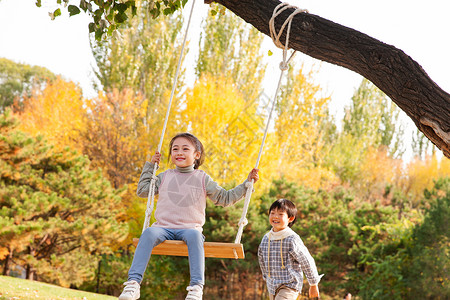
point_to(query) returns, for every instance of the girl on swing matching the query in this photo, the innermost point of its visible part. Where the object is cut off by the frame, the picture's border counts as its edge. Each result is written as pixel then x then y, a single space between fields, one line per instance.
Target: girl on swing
pixel 180 211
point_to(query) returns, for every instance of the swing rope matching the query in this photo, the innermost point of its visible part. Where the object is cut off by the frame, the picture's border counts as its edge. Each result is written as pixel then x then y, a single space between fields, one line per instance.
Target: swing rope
pixel 284 65
pixel 151 192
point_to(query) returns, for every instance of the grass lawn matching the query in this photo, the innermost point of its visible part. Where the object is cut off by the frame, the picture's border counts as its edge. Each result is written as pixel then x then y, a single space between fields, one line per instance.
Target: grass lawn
pixel 14 289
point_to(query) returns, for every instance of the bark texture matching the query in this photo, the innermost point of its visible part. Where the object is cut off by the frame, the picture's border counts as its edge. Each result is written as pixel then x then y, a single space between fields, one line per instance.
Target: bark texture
pixel 401 78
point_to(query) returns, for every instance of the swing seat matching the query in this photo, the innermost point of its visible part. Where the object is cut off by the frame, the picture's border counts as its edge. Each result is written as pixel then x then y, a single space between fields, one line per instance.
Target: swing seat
pixel 212 249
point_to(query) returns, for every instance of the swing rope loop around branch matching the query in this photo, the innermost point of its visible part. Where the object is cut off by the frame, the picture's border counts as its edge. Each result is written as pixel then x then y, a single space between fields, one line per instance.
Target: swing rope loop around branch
pixel 284 65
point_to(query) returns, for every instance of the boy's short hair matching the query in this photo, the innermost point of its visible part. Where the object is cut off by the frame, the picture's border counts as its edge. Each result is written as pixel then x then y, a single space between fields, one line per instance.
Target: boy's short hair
pixel 287 206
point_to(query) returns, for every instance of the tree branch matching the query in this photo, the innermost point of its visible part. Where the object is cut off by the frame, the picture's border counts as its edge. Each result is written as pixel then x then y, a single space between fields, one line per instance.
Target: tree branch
pixel 390 69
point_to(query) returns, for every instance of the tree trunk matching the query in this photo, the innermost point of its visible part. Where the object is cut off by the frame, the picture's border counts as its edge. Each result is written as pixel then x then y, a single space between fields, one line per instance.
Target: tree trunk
pixel 99 265
pixel 7 263
pixel 390 69
pixel 29 273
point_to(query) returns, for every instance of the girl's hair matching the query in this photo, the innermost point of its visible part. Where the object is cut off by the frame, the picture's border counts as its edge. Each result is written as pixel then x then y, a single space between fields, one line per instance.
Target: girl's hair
pixel 287 206
pixel 197 144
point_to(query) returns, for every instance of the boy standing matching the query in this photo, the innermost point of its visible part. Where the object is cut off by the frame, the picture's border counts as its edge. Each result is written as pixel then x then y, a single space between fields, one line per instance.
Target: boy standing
pixel 283 257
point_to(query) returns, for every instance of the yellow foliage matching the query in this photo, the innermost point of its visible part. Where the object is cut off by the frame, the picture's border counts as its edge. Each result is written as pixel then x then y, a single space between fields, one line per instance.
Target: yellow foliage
pixel 226 124
pixel 422 173
pixel 377 171
pixel 57 112
pixel 296 147
pixel 3 253
pixel 116 136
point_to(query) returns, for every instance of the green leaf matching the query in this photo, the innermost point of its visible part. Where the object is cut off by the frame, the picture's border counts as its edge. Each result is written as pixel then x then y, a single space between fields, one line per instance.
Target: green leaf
pixel 213 12
pixel 167 11
pixel 83 5
pixel 98 34
pixel 121 8
pixel 120 17
pixel 270 53
pixel 98 15
pixel 91 27
pixel 38 3
pixel 73 10
pixel 57 12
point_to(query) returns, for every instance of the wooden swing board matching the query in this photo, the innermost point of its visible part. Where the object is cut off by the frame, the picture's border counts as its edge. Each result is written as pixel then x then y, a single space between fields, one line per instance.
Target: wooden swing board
pixel 212 249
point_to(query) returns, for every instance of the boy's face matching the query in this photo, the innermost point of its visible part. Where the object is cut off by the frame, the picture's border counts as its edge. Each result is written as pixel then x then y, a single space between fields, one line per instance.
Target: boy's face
pixel 279 219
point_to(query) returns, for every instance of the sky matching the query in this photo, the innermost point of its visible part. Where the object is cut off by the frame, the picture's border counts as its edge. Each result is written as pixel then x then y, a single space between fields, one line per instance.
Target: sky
pixel 420 28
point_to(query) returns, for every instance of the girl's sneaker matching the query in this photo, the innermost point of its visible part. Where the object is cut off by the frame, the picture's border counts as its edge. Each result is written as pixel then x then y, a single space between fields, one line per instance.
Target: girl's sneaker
pixel 131 291
pixel 194 292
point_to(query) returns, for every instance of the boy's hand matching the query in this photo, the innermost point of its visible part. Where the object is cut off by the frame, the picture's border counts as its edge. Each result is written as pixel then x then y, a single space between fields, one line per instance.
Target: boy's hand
pixel 253 175
pixel 314 291
pixel 156 158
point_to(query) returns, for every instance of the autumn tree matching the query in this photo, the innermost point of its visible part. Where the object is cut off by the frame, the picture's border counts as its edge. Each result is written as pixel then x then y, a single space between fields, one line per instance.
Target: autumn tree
pixel 421 174
pixel 116 142
pixel 395 73
pixel 115 135
pixel 229 137
pixel 57 214
pixel 366 152
pixel 47 112
pixel 222 107
pixel 18 80
pixel 297 146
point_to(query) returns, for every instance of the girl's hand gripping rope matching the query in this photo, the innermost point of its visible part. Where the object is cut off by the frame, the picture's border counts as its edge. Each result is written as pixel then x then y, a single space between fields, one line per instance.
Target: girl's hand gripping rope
pixel 253 175
pixel 156 158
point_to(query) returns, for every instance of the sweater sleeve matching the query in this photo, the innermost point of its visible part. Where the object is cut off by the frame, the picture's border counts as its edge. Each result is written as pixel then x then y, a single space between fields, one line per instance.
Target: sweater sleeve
pixel 307 263
pixel 145 179
pixel 221 196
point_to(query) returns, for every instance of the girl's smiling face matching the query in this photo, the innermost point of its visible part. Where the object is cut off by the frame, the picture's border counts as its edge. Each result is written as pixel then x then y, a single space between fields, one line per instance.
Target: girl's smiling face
pixel 183 152
pixel 279 219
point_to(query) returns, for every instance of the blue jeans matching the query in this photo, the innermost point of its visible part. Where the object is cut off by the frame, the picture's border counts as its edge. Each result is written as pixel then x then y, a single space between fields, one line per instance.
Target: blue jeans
pixel 153 236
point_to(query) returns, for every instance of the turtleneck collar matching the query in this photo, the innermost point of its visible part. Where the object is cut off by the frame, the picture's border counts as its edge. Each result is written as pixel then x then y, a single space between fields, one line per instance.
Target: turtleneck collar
pixel 188 169
pixel 279 235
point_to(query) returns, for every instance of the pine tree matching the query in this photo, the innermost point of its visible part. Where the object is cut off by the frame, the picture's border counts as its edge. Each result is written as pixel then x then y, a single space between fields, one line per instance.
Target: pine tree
pixel 57 215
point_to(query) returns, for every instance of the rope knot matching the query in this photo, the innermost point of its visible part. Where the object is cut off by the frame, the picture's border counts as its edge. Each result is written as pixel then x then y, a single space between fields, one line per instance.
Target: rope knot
pixel 284 66
pixel 243 221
